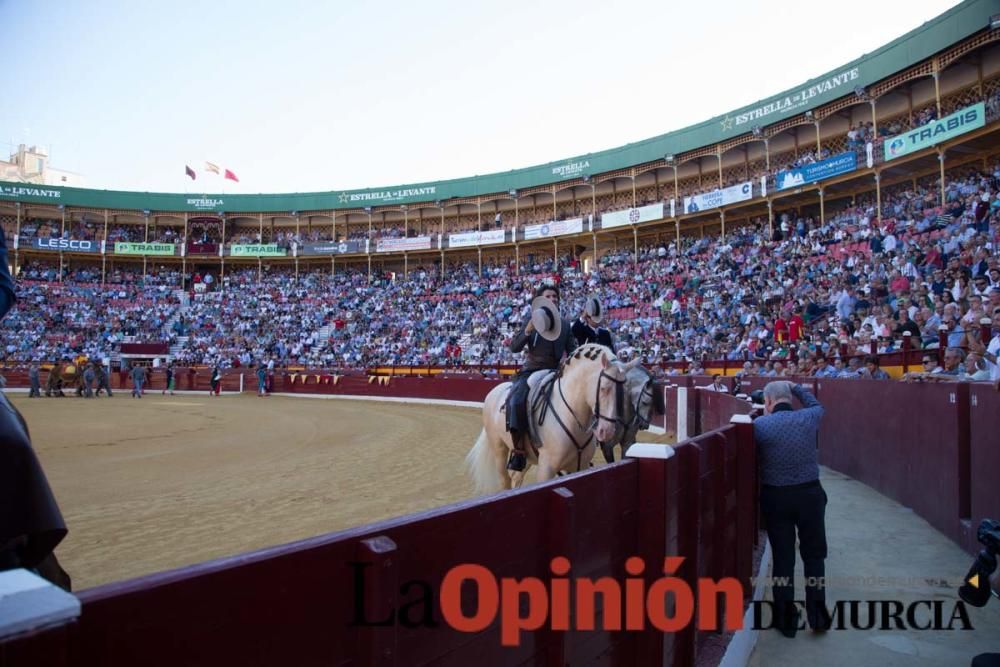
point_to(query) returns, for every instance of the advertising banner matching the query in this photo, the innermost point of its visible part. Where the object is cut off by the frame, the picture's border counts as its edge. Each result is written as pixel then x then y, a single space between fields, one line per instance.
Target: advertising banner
pixel 475 238
pixel 810 173
pixel 632 216
pixel 67 245
pixel 332 248
pixel 160 249
pixel 398 245
pixel 256 250
pixel 717 198
pixel 960 122
pixel 554 228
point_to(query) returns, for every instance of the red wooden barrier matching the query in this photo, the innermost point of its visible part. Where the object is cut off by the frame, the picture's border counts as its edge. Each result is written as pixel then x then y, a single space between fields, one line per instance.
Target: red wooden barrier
pixel 295 604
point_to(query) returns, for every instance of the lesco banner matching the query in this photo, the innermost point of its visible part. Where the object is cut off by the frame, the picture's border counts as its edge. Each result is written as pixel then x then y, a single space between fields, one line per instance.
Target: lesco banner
pixel 67 245
pixel 397 245
pixel 717 198
pixel 475 238
pixel 810 173
pixel 256 250
pixel 554 228
pixel 960 122
pixel 333 248
pixel 165 249
pixel 632 216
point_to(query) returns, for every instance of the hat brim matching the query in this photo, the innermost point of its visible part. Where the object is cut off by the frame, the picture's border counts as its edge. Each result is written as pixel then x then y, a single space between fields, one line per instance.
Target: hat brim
pixel 594 310
pixel 546 318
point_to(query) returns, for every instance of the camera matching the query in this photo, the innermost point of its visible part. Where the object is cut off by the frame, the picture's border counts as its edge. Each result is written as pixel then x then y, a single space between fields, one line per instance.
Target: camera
pixel 976 590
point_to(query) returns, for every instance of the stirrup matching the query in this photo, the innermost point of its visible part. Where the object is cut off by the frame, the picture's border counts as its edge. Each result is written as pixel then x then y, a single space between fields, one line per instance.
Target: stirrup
pixel 517 461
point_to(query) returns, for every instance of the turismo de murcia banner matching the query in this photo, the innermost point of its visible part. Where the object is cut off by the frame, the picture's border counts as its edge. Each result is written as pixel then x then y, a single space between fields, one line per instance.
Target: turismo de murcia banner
pixel 632 216
pixel 810 173
pixel 466 239
pixel 256 250
pixel 67 245
pixel 165 249
pixel 960 122
pixel 717 198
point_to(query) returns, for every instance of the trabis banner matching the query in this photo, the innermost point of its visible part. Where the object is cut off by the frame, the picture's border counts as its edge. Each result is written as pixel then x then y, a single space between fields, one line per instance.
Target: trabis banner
pixel 838 164
pixel 475 238
pixel 256 250
pixel 67 245
pixel 554 228
pixel 960 122
pixel 632 216
pixel 716 198
pixel 158 249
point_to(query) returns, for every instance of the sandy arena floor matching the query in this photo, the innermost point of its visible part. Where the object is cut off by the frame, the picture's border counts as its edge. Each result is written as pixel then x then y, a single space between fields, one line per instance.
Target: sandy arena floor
pixel 158 483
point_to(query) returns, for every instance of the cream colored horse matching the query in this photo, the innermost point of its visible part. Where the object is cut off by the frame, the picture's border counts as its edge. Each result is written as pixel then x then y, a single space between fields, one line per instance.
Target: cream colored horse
pixel 581 410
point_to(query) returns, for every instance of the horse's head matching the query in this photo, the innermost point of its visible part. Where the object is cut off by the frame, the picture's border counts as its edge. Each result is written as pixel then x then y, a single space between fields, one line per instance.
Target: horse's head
pixel 644 398
pixel 609 398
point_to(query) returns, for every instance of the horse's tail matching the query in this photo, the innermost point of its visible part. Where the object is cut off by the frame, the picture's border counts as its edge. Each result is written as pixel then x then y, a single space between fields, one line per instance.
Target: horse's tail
pixel 482 466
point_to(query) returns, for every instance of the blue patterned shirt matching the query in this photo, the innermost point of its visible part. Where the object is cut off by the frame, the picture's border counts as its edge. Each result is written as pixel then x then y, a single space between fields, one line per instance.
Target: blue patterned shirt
pixel 786 442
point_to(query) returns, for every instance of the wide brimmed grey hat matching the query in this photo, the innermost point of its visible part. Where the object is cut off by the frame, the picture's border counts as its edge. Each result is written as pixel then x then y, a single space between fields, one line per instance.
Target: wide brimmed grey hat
pixel 593 309
pixel 546 318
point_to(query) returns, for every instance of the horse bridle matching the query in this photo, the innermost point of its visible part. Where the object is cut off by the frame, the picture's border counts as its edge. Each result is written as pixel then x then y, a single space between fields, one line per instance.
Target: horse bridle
pixel 640 422
pixel 546 396
pixel 619 401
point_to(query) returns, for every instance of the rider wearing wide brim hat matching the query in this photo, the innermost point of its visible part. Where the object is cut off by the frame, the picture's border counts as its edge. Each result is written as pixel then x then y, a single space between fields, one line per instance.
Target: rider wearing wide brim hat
pixel 546 337
pixel 587 329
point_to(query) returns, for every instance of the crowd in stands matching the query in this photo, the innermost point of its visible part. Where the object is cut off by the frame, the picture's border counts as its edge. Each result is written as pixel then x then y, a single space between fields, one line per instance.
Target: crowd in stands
pixel 799 298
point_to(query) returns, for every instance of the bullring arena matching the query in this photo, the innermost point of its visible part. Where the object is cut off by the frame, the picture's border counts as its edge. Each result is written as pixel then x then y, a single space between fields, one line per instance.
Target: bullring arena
pixel 300 494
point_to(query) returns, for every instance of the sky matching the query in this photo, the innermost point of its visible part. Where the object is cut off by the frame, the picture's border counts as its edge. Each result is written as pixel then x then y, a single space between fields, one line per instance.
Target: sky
pixel 317 96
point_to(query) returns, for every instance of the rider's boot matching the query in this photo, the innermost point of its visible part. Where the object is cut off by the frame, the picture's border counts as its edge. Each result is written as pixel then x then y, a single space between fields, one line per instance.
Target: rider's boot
pixel 517 461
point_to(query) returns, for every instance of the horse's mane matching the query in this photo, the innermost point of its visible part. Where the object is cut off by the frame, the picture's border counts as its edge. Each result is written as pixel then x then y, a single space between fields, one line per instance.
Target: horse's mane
pixel 589 352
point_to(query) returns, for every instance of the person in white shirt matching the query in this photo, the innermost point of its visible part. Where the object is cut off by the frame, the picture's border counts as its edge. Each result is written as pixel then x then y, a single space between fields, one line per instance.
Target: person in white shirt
pixel 989 352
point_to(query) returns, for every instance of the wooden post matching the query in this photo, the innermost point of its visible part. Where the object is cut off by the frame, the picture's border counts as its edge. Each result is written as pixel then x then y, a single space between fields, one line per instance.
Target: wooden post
pixel 940 152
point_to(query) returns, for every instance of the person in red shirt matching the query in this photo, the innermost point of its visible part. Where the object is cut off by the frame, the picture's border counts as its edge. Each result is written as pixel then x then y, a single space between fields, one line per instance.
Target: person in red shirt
pixel 796 326
pixel 781 329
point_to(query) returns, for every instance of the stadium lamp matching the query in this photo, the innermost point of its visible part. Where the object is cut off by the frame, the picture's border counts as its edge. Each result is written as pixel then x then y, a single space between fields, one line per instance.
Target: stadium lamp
pixel 513 193
pixel 860 91
pixel 586 178
pixel 809 114
pixel 757 131
pixel 368 209
pixel 995 22
pixel 295 214
pixel 669 157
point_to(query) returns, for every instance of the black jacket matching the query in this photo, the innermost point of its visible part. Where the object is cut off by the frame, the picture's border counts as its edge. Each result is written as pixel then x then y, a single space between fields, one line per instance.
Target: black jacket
pixel 585 334
pixel 543 353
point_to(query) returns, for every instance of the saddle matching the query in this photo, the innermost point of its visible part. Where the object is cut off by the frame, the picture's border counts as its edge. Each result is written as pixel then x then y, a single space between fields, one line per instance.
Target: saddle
pixel 540 385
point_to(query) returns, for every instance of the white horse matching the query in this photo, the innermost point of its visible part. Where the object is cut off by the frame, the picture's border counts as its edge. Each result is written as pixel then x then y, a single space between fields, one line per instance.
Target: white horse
pixel 570 411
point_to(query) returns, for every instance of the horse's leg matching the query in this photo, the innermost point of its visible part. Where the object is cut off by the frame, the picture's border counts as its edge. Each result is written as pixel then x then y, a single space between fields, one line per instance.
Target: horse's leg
pixel 517 478
pixel 500 451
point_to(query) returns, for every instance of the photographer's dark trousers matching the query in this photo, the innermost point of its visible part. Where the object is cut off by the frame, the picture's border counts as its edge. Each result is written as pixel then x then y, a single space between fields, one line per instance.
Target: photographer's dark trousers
pixel 789 509
pixel 517 402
